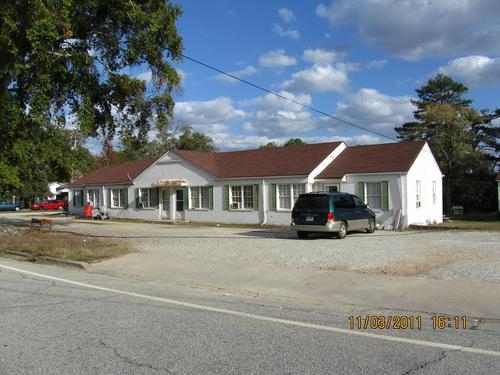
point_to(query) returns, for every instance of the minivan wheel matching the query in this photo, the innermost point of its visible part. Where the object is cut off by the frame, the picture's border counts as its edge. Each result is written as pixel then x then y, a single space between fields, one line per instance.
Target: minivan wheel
pixel 371 225
pixel 342 232
pixel 302 234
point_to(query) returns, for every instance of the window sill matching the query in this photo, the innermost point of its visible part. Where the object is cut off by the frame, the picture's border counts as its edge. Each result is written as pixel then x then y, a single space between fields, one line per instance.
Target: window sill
pixel 198 209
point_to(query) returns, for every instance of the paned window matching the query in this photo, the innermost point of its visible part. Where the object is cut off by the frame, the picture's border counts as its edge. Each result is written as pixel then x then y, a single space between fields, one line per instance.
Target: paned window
pixel 375 194
pixel 418 193
pixel 244 197
pixel 199 197
pixel 118 198
pixel 288 194
pixel 78 198
pixel 93 197
pixel 147 198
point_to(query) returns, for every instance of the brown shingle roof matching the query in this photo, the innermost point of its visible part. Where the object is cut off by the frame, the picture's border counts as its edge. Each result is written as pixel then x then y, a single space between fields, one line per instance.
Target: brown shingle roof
pixel 279 161
pixel 379 158
pixel 120 174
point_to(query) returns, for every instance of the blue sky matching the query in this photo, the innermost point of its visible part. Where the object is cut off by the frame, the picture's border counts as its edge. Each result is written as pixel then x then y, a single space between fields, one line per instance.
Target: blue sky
pixel 359 60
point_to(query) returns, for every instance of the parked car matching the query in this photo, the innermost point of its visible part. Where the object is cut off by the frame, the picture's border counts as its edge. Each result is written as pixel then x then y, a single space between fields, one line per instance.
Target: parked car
pixel 334 212
pixel 6 206
pixel 50 204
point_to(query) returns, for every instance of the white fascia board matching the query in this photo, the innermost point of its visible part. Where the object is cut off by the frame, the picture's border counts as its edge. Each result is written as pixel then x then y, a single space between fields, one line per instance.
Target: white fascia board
pixel 169 157
pixel 331 157
pixel 377 174
pixel 330 180
pixel 260 178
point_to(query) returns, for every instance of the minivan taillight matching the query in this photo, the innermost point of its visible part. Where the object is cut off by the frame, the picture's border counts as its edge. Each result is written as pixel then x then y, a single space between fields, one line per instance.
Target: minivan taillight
pixel 330 216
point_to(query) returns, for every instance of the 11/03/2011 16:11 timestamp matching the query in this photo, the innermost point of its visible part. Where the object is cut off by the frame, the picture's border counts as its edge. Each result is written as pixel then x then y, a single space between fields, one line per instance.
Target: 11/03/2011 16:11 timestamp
pixel 438 322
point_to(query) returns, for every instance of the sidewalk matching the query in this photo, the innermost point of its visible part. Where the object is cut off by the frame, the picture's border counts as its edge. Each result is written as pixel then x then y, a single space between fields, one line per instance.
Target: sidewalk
pixel 346 290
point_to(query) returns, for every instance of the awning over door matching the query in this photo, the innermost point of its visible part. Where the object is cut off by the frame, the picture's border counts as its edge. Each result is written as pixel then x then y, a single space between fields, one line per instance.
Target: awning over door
pixel 167 182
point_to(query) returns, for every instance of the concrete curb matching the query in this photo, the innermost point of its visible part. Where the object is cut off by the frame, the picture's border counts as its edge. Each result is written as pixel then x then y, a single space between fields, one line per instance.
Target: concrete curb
pixel 51 260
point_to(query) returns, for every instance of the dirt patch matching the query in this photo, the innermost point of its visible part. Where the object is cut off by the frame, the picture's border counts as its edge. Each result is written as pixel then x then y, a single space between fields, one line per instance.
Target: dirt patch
pixel 412 267
pixel 334 268
pixel 60 245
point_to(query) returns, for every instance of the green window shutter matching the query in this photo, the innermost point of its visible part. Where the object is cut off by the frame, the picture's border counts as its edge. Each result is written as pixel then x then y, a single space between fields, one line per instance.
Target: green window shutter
pixel 210 197
pixel 126 197
pixel 186 197
pixel 226 197
pixel 82 198
pixel 156 196
pixel 384 190
pixel 255 196
pixel 136 197
pixel 361 190
pixel 74 198
pixel 273 197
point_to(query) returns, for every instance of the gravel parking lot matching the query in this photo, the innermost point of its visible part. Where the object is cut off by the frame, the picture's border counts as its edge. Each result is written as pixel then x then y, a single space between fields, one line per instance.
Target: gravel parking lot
pixel 452 255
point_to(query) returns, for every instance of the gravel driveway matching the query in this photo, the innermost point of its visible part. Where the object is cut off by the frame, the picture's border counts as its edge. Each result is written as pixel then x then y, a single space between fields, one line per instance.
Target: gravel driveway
pixel 452 255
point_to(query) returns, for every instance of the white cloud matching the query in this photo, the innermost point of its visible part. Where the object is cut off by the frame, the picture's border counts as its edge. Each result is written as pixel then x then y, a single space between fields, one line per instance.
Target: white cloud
pixel 474 70
pixel 276 59
pixel 421 28
pixel 275 117
pixel 247 71
pixel 294 34
pixel 371 109
pixel 286 15
pixel 207 115
pixel 270 102
pixel 322 56
pixel 319 78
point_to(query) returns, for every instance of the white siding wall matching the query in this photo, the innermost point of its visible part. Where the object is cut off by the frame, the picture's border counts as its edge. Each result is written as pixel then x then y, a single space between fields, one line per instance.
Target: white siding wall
pixel 426 170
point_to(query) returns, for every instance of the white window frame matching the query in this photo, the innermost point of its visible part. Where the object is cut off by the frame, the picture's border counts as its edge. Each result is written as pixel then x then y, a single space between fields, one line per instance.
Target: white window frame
pixel 147 200
pixel 418 193
pixel 373 200
pixel 241 197
pixel 121 195
pixel 94 197
pixel 293 192
pixel 199 199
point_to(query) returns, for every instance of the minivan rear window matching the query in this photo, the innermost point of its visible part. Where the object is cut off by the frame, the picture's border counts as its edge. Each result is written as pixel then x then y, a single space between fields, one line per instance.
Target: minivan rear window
pixel 312 202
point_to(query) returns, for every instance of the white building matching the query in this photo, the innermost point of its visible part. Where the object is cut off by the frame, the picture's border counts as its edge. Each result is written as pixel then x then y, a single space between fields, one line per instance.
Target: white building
pixel 401 182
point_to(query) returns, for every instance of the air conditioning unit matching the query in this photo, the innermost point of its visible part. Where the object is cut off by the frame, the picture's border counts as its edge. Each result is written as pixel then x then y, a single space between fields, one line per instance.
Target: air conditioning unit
pixel 235 205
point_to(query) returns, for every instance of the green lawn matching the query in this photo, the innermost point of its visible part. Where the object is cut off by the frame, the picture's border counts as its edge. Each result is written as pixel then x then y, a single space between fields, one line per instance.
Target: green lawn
pixel 470 224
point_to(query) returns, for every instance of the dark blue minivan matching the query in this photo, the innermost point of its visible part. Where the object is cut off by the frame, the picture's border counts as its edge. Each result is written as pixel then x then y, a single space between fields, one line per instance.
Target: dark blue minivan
pixel 331 212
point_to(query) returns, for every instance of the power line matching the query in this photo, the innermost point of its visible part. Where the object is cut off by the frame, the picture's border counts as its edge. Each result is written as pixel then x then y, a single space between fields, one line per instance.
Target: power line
pixel 288 99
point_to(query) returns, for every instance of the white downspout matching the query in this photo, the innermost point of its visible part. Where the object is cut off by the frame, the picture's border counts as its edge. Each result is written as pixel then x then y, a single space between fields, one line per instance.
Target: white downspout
pixel 264 202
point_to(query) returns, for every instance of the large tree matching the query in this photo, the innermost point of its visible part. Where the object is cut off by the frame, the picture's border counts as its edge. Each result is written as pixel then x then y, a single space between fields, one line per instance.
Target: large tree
pixel 194 141
pixel 70 61
pixel 463 140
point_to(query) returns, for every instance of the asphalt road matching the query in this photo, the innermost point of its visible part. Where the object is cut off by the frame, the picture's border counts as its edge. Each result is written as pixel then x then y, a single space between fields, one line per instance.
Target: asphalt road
pixel 63 321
